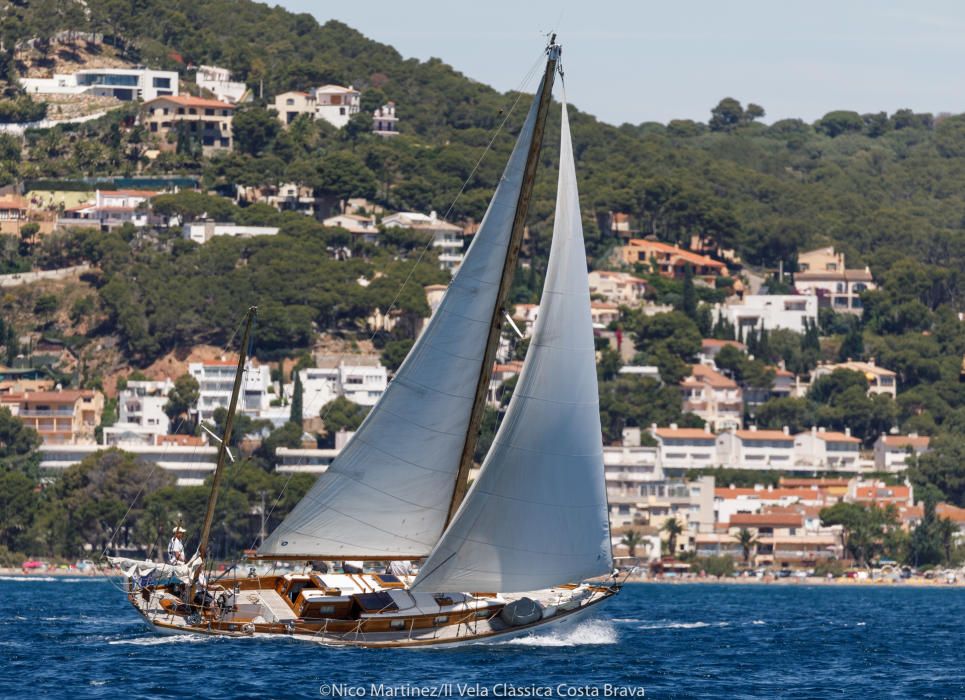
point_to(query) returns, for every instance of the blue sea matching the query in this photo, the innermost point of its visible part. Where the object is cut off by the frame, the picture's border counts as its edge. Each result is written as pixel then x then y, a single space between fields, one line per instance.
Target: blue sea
pixel 79 638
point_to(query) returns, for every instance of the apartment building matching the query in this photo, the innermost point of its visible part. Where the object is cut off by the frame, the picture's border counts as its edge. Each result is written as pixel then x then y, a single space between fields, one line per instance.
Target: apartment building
pixel 682 449
pixel 756 449
pixel 823 450
pixel 717 399
pixel 215 381
pixel 206 121
pixel 190 464
pixel 64 417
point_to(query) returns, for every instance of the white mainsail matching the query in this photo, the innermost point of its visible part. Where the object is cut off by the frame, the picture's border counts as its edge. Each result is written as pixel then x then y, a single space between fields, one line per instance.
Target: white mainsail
pixel 387 494
pixel 537 515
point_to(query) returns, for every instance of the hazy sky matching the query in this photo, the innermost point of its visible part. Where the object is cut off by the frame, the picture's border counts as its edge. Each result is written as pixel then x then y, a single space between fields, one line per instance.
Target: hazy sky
pixel 635 61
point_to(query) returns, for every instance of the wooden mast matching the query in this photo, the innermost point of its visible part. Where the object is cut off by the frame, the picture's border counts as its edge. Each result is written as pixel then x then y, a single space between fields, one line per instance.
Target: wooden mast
pixel 223 447
pixel 505 282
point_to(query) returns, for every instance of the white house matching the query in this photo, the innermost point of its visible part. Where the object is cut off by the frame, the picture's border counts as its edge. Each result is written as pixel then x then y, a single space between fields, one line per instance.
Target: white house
pixel 756 449
pixel 357 224
pixel 218 81
pixel 385 123
pixel 447 238
pixel 892 451
pixel 618 287
pixel 125 84
pixel 215 379
pixel 359 378
pixel 336 104
pixel 763 311
pixel 112 208
pixel 204 231
pixel 823 450
pixel 140 409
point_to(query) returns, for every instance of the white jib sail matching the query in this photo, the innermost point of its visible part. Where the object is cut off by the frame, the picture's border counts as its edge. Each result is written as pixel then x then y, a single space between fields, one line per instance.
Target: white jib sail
pixel 537 515
pixel 388 493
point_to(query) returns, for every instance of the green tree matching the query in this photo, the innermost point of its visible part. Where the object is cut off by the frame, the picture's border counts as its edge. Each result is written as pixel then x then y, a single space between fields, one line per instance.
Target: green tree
pixel 631 540
pixel 297 401
pixel 747 541
pixel 674 529
pixel 182 398
pixel 342 414
pixel 254 130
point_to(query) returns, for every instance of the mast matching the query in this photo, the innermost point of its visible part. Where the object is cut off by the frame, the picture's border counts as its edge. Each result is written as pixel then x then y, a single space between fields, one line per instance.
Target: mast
pixel 223 447
pixel 505 282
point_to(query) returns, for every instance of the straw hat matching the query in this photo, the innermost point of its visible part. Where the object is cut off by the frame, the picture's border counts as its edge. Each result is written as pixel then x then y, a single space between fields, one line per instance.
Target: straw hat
pixel 179 529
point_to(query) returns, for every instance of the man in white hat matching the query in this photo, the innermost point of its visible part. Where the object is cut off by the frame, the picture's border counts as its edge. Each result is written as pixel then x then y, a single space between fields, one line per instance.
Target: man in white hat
pixel 176 546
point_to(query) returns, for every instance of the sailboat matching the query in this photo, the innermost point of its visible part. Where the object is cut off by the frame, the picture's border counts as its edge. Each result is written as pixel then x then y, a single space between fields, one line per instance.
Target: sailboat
pixel 526 548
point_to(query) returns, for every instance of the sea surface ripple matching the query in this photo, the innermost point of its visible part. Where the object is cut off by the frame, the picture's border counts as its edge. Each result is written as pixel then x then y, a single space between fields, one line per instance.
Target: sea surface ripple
pixel 79 638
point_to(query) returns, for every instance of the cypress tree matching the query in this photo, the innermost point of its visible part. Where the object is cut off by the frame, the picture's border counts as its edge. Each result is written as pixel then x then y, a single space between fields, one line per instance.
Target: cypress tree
pixel 296 408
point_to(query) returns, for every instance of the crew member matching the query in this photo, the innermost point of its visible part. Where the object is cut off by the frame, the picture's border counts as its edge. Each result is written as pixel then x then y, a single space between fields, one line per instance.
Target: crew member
pixel 176 546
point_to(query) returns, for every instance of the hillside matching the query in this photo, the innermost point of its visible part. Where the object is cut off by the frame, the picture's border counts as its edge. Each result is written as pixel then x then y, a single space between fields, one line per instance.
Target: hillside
pixel 878 186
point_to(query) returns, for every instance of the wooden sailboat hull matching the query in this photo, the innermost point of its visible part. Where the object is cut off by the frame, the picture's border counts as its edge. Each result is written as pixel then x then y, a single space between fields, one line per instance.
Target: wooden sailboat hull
pixel 457 620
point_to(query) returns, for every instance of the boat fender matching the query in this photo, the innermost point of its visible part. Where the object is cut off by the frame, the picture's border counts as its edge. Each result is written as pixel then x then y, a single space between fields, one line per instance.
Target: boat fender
pixel 521 612
pixel 248 628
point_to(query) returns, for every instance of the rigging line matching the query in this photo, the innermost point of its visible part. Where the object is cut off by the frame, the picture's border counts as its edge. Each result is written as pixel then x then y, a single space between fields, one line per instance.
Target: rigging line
pixel 154 466
pixel 495 133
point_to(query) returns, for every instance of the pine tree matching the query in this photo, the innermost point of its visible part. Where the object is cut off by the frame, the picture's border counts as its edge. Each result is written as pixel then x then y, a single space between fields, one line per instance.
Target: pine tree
pixel 689 302
pixel 296 408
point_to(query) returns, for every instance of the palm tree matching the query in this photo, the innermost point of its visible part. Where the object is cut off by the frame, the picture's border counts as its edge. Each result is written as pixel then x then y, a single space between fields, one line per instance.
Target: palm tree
pixel 631 540
pixel 673 528
pixel 747 541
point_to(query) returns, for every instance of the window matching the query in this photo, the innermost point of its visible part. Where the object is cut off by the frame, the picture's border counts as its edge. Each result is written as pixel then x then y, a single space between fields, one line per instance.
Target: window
pixel 290 101
pixel 208 112
pixel 441 619
pixel 397 624
pixel 192 110
pixel 162 82
pixel 180 110
pixel 341 110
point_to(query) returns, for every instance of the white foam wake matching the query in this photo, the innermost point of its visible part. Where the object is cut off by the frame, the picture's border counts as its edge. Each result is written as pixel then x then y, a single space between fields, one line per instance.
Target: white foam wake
pixel 682 625
pixel 585 633
pixel 169 639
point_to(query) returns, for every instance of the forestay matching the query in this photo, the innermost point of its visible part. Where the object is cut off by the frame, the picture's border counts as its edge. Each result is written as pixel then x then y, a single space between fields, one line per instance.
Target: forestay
pixel 388 493
pixel 537 515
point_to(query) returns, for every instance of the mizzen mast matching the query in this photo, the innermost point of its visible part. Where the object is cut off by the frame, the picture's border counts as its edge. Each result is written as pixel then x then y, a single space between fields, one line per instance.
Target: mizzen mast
pixel 225 440
pixel 506 280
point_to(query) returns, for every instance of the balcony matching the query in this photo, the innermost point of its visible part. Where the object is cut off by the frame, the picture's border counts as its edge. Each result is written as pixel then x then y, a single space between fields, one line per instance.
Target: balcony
pixel 47 413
